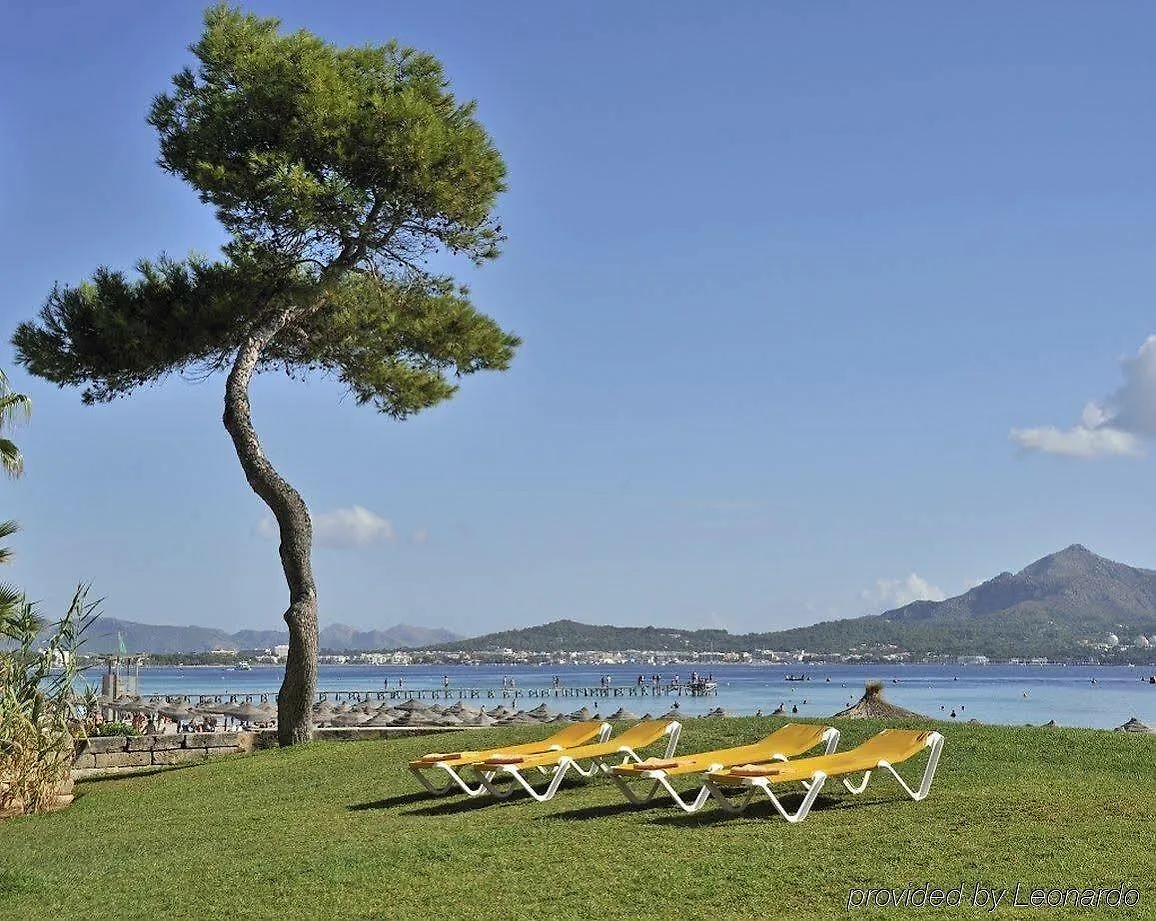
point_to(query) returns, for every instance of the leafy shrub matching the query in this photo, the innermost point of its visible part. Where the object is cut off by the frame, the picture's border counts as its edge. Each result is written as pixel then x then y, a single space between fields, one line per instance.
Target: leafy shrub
pixel 38 712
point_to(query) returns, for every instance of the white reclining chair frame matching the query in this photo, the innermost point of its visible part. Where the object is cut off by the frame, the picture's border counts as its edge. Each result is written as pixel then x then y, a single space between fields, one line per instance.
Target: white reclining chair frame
pixel 490 778
pixel 661 781
pixel 477 789
pixel 755 784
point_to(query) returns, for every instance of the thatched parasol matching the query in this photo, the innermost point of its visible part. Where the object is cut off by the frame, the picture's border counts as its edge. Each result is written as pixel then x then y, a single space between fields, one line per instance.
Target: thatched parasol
pixel 581 715
pixel 248 712
pixel 872 705
pixel 1133 725
pixel 177 711
pixel 621 714
pixel 215 706
pixel 383 717
pixel 412 704
pixel 349 718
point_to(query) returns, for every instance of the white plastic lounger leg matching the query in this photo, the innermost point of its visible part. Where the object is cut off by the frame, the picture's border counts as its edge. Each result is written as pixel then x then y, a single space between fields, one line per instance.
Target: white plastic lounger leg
pixel 448 787
pixel 935 743
pixel 761 783
pixel 726 803
pixel 857 788
pixel 661 783
pixel 831 736
pixel 804 807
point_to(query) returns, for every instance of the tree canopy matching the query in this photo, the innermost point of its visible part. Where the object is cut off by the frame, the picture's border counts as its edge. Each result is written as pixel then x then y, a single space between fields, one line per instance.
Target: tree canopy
pixel 338 172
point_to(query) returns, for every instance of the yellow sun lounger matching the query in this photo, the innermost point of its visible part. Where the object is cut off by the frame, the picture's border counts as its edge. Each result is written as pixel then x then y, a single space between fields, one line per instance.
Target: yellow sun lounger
pixel 785 742
pixel 453 762
pixel 890 747
pixel 509 765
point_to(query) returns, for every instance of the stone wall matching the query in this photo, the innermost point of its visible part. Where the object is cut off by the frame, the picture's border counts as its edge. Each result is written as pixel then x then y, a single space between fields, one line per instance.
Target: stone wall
pixel 107 756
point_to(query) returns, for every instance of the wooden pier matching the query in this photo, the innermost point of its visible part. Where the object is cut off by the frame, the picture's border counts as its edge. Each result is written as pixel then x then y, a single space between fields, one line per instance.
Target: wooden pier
pixel 453 693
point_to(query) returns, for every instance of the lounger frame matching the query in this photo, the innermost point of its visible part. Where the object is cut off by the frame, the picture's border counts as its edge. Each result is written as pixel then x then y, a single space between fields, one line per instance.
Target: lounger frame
pixel 477 788
pixel 755 784
pixel 491 780
pixel 661 780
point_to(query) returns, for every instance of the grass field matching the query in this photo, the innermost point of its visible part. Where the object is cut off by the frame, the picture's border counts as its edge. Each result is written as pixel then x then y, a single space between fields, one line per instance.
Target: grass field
pixel 339 830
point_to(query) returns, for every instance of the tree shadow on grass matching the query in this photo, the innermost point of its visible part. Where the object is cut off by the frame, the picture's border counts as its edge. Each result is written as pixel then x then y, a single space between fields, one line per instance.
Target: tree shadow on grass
pixel 389 802
pixel 610 810
pixel 458 806
pixel 143 772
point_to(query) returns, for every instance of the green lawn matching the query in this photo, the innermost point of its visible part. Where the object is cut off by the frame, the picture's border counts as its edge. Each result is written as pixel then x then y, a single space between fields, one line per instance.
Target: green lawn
pixel 339 830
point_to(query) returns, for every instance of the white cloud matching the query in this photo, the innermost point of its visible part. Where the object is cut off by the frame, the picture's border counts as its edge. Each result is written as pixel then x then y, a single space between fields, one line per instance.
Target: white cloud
pixel 420 535
pixel 886 594
pixel 1079 441
pixel 1115 426
pixel 342 527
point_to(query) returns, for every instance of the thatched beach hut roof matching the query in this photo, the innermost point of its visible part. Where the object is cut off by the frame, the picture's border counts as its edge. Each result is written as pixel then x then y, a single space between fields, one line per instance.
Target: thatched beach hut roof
pixel 1133 725
pixel 872 705
pixel 621 714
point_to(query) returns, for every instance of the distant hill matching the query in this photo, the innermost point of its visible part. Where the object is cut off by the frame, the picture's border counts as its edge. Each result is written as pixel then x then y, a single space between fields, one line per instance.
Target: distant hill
pixel 1049 608
pixel 571 636
pixel 102 638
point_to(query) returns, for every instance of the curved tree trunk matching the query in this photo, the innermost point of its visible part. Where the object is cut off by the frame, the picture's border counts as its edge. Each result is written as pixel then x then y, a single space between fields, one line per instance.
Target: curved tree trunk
pixel 295 701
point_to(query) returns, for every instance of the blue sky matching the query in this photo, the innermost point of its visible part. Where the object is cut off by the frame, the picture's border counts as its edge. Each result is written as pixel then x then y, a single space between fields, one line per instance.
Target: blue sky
pixel 824 309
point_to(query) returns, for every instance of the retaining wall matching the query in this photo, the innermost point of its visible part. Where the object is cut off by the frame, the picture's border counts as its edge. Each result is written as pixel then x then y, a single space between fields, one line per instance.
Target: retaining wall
pixel 107 756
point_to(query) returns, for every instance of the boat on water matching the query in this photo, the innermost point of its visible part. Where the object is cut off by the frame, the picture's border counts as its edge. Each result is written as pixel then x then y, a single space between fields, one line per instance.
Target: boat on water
pixel 243 666
pixel 797 678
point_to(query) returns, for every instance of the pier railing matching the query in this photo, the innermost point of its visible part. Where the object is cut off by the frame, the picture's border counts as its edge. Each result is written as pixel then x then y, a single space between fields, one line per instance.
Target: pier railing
pixel 459 693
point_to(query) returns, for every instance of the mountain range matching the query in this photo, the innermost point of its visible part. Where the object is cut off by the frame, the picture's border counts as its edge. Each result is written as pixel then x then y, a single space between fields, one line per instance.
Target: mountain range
pixel 102 637
pixel 1053 607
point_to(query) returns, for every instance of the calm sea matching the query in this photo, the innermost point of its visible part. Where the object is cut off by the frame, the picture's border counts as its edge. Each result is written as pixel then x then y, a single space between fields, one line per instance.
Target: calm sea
pixel 1102 697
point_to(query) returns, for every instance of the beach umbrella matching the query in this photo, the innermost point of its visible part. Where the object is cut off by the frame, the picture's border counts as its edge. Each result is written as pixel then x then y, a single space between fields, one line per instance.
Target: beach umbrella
pixel 412 704
pixel 215 706
pixel 621 714
pixel 384 716
pixel 581 715
pixel 540 711
pixel 178 711
pixel 448 719
pixel 872 705
pixel 561 718
pixel 645 717
pixel 349 718
pixel 325 708
pixel 267 707
pixel 672 715
pixel 1133 725
pixel 248 712
pixel 779 710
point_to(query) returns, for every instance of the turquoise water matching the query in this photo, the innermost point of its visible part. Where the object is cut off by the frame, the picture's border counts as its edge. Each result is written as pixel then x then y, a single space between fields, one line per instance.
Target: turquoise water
pixel 1011 695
